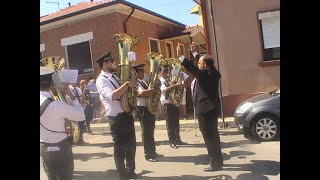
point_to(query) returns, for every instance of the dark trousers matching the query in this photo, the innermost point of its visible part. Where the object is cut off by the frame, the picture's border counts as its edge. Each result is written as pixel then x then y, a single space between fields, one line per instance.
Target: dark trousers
pixel 124 138
pixel 147 121
pixel 58 165
pixel 172 121
pixel 84 126
pixel 208 124
pixel 88 111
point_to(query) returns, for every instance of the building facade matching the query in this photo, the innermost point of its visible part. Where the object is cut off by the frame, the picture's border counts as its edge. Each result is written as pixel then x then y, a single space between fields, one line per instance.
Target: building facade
pixel 244 38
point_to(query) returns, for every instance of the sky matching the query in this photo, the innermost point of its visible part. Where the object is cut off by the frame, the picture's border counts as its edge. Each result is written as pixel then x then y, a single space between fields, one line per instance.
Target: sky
pixel 173 9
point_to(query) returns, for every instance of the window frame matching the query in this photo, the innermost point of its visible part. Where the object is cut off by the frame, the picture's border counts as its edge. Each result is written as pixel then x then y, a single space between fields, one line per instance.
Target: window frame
pixel 42 48
pixel 263 62
pixel 171 47
pixel 158 44
pixel 184 50
pixel 73 40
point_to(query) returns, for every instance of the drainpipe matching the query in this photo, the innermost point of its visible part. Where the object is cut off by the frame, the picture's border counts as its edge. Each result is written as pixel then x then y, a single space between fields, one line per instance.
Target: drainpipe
pixel 196 2
pixel 125 22
pixel 216 49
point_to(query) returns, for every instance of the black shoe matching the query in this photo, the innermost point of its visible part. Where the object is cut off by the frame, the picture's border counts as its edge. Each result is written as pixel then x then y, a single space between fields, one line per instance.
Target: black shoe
pixel 132 175
pixel 152 159
pixel 174 146
pixel 81 142
pixel 179 142
pixel 215 168
pixel 158 155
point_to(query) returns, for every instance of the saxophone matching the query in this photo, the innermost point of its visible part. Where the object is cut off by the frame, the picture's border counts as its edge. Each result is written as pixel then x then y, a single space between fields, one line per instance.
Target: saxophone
pixel 155 61
pixel 125 42
pixel 85 100
pixel 176 75
pixel 58 63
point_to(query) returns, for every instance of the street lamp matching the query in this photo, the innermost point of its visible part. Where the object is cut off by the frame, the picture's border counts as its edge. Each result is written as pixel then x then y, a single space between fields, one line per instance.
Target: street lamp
pixel 57 2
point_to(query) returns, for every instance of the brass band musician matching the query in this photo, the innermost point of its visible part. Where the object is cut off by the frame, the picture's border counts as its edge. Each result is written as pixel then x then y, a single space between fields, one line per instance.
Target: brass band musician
pixel 121 122
pixel 55 146
pixel 147 119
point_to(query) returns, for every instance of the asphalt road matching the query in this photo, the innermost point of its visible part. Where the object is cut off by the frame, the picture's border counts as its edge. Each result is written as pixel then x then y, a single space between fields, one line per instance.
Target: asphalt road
pixel 243 159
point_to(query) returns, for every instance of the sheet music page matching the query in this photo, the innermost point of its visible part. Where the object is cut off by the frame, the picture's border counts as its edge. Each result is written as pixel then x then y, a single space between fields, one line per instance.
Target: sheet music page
pixel 69 75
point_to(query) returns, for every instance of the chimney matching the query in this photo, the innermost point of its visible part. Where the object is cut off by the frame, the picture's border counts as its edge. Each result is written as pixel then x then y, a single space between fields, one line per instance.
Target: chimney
pixel 69 4
pixel 91 0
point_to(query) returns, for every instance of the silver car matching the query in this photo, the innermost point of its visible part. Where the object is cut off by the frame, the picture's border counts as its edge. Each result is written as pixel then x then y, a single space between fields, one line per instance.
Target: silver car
pixel 260 116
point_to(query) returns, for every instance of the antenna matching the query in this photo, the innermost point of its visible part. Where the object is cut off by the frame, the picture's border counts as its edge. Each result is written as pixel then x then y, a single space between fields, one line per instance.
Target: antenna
pixel 57 2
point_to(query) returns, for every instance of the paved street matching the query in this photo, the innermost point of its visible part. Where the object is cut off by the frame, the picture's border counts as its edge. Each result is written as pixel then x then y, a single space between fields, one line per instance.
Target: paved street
pixel 243 159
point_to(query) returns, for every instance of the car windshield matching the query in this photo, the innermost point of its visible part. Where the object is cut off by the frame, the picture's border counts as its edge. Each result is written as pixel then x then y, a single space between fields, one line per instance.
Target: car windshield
pixel 275 92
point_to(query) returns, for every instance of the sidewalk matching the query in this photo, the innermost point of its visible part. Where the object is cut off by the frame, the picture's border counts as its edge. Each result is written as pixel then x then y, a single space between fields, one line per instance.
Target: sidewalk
pixel 102 125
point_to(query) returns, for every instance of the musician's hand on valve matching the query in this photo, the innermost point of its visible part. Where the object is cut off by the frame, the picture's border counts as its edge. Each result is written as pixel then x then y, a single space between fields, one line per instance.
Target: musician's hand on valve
pixel 173 83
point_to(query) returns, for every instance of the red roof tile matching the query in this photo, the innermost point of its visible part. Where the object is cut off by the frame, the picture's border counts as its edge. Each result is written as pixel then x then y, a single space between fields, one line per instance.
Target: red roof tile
pixel 74 8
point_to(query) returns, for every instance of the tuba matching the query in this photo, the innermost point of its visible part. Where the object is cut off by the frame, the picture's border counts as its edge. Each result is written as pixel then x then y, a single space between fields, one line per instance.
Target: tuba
pixel 58 63
pixel 176 75
pixel 125 42
pixel 155 61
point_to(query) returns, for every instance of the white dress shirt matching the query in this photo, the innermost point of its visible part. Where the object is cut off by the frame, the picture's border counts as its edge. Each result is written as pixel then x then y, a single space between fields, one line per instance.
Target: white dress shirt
pixel 93 88
pixel 53 118
pixel 141 101
pixel 163 100
pixel 105 89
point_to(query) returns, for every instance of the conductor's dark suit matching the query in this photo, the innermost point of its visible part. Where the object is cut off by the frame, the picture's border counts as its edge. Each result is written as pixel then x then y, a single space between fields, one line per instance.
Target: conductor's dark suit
pixel 207 108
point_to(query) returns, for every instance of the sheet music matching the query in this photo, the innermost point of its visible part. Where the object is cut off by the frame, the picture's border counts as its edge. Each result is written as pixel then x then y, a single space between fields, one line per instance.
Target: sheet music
pixel 69 75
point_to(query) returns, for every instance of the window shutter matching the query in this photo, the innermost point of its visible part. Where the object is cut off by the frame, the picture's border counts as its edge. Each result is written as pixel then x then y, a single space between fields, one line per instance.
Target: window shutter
pixel 271 31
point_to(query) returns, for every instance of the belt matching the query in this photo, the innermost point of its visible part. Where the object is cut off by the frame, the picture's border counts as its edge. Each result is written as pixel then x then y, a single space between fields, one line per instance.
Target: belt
pixel 119 114
pixel 52 144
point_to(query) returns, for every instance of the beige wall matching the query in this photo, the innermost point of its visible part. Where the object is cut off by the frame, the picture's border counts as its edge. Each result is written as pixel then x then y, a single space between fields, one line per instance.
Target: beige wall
pixel 239 46
pixel 103 28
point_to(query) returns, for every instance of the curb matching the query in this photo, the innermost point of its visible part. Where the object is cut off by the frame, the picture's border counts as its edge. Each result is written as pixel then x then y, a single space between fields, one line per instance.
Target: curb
pixel 98 125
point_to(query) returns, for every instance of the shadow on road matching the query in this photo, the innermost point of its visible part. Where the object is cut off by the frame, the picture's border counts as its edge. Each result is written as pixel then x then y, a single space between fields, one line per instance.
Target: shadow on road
pixel 229 133
pixel 203 158
pixel 245 176
pixel 237 154
pixel 264 167
pixel 139 143
pixel 95 175
pixel 197 160
pixel 238 143
pixel 88 156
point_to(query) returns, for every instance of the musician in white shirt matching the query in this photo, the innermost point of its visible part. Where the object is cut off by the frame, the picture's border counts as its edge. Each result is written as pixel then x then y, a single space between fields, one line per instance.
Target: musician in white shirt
pixel 147 119
pixel 170 110
pixel 121 122
pixel 55 146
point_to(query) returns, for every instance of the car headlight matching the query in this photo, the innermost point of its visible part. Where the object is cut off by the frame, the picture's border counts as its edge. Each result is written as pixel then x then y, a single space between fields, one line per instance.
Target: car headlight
pixel 243 108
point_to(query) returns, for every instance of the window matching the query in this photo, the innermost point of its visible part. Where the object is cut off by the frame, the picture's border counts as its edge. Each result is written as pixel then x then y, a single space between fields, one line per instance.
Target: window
pixel 183 50
pixel 42 48
pixel 78 52
pixel 169 49
pixel 203 49
pixel 154 45
pixel 79 57
pixel 270 30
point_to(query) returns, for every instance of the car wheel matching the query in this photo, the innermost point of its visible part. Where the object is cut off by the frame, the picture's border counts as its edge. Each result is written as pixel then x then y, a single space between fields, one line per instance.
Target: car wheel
pixel 266 127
